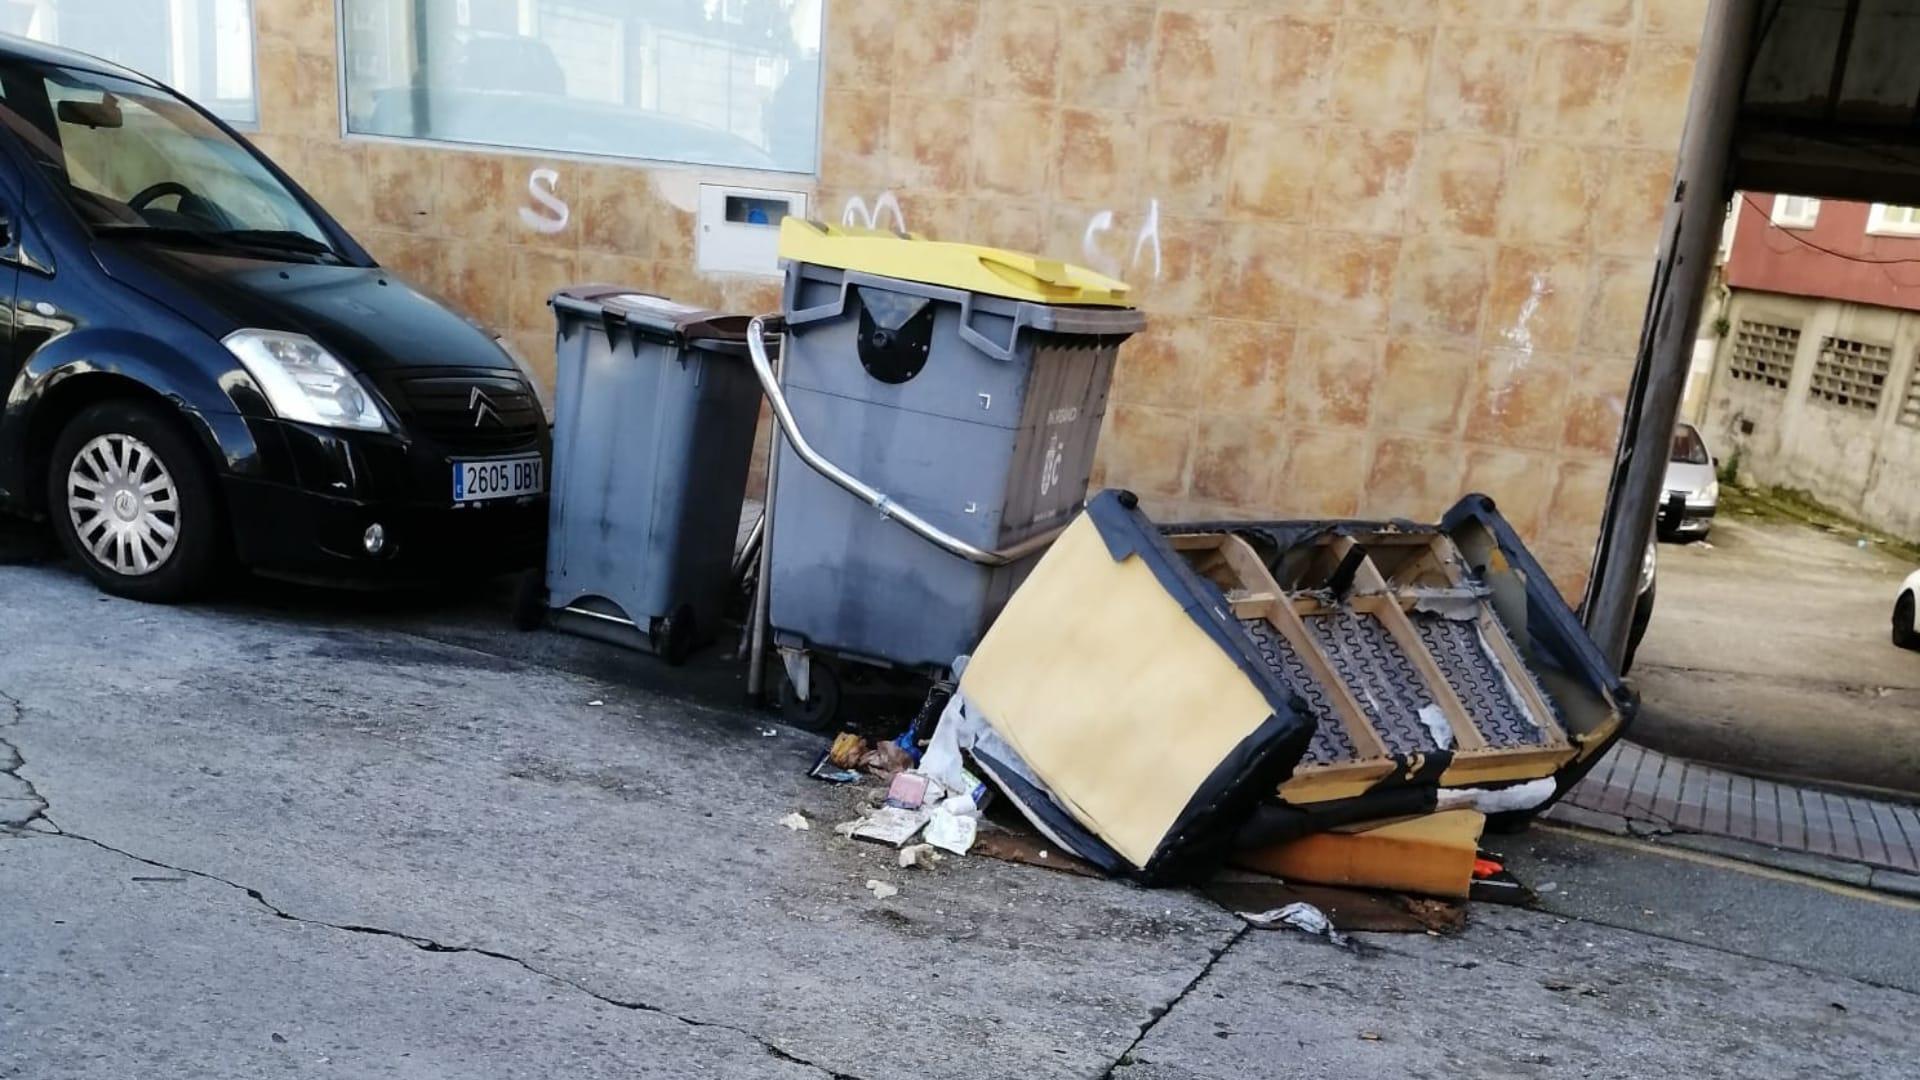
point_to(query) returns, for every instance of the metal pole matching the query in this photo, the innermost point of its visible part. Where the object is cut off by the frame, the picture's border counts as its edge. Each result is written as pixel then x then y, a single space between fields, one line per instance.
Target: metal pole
pixel 1689 236
pixel 763 584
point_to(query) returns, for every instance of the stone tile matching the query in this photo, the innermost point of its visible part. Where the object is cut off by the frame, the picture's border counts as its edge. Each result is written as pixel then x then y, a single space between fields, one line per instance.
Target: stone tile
pixel 1013 147
pixel 472 277
pixel 1180 280
pixel 1579 496
pixel 1587 14
pixel 1349 278
pixel 1258 273
pixel 1659 81
pixel 1019 43
pixel 1479 78
pixel 934 47
pixel 1323 475
pixel 1488 12
pixel 1617 299
pixel 853 139
pixel 1537 299
pixel 1873 845
pixel 536 274
pixel 612 208
pixel 1593 419
pixel 1146 449
pixel 937 215
pixel 1290 67
pixel 410 255
pixel 1186 164
pixel 1380 74
pixel 403 186
pixel 1684 19
pixel 1332 379
pixel 1013 224
pixel 1900 848
pixel 1198 59
pixel 337 177
pixel 1364 180
pixel 1512 479
pixel 1440 287
pixel 1236 457
pixel 1412 478
pixel 297 90
pixel 1099 157
pixel 299 23
pixel 928 142
pixel 1551 189
pixel 474 199
pixel 1576 88
pixel 1423 388
pixel 670 235
pixel 1846 838
pixel 1273 170
pixel 1459 180
pixel 859 45
pixel 1105 55
pixel 606 268
pixel 1161 366
pixel 1245 367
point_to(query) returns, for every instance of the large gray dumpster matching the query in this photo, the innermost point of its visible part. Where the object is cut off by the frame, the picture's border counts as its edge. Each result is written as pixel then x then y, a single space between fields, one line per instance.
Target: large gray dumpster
pixel 961 392
pixel 654 415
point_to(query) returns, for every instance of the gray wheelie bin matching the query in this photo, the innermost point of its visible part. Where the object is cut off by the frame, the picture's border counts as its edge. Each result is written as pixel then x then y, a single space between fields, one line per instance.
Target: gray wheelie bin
pixel 654 413
pixel 940 405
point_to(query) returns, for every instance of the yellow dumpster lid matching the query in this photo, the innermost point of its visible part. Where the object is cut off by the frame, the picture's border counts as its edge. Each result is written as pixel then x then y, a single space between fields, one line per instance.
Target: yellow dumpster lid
pixel 993 271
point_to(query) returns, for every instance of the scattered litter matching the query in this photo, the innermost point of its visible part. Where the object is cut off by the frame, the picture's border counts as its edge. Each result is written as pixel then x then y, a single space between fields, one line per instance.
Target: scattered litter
pixel 890 825
pixel 1546 887
pixel 769 732
pixel 847 750
pixel 824 769
pixel 1370 1036
pixel 920 855
pixel 880 889
pixel 908 791
pixel 1302 917
pixel 796 821
pixel 1435 720
pixel 1348 909
pixel 596 703
pixel 1496 801
pixel 953 832
pixel 885 760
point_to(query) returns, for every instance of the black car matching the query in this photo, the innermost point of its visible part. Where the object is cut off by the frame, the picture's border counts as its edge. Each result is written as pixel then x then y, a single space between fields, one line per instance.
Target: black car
pixel 200 365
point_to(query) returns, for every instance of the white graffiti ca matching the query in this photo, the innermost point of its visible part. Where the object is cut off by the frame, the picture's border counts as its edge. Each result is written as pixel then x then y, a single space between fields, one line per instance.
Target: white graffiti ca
pixel 542 185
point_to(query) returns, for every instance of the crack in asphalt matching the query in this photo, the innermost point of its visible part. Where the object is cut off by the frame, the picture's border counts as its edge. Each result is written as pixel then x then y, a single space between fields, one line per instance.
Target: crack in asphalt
pixel 1161 1012
pixel 12 761
pixel 426 944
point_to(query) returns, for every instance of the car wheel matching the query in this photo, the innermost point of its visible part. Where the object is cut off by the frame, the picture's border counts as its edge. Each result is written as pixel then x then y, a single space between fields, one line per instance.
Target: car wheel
pixel 132 503
pixel 1906 633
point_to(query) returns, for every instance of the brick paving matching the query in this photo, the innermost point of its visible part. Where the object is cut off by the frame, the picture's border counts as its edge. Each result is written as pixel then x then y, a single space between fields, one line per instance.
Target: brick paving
pixel 1671 793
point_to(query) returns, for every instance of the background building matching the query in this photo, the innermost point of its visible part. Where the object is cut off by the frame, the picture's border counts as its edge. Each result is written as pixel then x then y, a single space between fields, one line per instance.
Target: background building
pixel 1815 385
pixel 1392 251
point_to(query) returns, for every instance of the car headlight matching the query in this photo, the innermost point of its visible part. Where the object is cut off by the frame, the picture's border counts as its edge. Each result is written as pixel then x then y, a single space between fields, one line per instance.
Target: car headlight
pixel 303 381
pixel 526 371
pixel 1711 496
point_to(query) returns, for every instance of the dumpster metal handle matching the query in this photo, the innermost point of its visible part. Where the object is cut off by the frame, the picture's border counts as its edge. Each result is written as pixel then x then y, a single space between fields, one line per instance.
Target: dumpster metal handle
pixel 867 493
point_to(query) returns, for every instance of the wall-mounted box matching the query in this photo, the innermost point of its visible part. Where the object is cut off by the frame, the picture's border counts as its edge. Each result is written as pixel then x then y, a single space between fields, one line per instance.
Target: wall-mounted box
pixel 738 231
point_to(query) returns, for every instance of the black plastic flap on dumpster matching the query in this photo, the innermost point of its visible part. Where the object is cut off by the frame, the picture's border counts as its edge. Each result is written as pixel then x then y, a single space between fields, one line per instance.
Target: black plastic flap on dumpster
pixel 661 319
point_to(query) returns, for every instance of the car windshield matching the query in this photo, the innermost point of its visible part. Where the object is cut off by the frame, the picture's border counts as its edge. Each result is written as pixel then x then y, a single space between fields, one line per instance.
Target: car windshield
pixel 137 161
pixel 1688 448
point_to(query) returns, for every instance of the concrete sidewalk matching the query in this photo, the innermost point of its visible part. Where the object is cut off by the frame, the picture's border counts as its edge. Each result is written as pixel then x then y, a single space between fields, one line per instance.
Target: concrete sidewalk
pixel 1862 841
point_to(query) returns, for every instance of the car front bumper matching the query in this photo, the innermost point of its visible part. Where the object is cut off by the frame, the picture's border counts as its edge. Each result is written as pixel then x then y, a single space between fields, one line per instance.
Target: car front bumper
pixel 306 511
pixel 1678 516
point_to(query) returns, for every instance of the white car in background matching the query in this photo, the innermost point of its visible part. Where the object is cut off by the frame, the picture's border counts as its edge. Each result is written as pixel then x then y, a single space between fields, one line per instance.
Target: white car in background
pixel 1906 630
pixel 1692 490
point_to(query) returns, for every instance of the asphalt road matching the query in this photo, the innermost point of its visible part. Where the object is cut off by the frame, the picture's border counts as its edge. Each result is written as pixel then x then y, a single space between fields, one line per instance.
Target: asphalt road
pixel 312 835
pixel 1769 651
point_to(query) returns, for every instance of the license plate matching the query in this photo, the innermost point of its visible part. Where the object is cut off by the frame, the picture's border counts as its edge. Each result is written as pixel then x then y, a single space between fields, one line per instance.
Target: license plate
pixel 506 478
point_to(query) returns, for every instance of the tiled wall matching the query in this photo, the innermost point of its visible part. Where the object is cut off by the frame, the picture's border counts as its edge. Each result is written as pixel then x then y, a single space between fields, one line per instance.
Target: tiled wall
pixel 1393 250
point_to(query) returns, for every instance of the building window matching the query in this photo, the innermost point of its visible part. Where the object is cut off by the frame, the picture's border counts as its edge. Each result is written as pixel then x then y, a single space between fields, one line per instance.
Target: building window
pixel 706 82
pixel 1795 211
pixel 204 48
pixel 1910 408
pixel 1763 353
pixel 1884 220
pixel 1850 374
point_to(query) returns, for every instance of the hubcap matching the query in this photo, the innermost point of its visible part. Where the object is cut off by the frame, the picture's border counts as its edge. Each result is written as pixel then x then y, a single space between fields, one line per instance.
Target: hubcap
pixel 124 505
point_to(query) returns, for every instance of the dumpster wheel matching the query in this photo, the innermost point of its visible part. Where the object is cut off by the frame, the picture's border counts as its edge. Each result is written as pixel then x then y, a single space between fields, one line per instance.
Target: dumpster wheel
pixel 675 635
pixel 817 713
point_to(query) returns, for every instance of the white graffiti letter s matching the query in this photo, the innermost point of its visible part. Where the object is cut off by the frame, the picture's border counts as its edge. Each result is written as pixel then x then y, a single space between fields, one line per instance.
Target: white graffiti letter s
pixel 540 188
